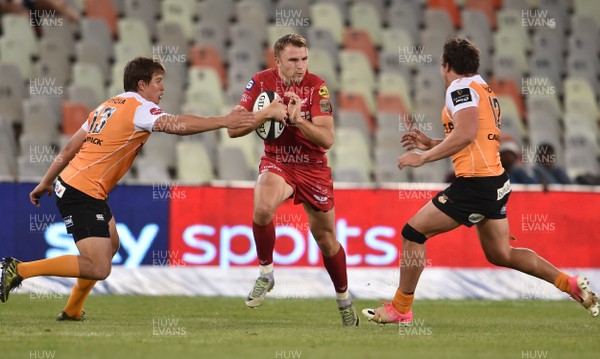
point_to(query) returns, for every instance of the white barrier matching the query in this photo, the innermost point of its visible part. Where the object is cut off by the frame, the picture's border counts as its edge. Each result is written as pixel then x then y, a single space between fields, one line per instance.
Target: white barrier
pixel 296 283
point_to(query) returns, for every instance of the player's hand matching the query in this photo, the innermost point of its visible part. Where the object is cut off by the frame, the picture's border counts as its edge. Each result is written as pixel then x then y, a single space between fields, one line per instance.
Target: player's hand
pixel 410 159
pixel 239 118
pixel 415 139
pixel 294 107
pixel 39 191
pixel 276 111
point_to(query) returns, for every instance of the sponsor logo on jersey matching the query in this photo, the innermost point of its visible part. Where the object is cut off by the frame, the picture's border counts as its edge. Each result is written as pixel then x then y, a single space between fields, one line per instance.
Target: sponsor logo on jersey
pixel 443 199
pixel 94 140
pixel 117 100
pixel 504 190
pixel 269 167
pixel 461 96
pixel 323 91
pixel 250 85
pixel 59 189
pixel 68 221
pixel 493 137
pixel 246 98
pixel 156 111
pixel 99 217
pixel 476 217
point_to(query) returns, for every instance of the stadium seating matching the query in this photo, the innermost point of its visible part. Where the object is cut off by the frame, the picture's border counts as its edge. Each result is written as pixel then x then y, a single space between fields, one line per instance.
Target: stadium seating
pixel 328 16
pixel 359 40
pixel 249 145
pixel 321 64
pixel 580 98
pixel 194 165
pixel 352 156
pixel 405 14
pixel 144 10
pixel 18 28
pixel 486 7
pixel 207 33
pixel 449 6
pixel 365 16
pixel 39 118
pixel 12 92
pixel 547 77
pixel 231 164
pixel 105 11
pixel 587 8
pixel 254 15
pixel 11 52
pixel 219 11
pixel 322 39
pixel 8 151
pixel 179 12
pixel 74 115
pixel 390 103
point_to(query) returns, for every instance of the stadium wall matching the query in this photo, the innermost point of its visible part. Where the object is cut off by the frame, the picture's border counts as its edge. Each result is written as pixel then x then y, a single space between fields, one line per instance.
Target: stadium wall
pixel 197 240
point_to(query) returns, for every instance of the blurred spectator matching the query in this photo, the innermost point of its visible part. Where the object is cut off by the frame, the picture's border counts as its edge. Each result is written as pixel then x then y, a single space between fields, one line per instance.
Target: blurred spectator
pixel 546 171
pixel 510 156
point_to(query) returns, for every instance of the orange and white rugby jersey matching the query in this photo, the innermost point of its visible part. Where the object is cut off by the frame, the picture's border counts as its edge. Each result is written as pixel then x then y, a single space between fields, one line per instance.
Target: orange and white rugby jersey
pixel 116 131
pixel 480 158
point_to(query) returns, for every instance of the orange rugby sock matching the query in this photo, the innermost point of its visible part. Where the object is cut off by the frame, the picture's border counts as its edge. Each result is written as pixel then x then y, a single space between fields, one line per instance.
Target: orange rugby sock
pixel 63 266
pixel 562 282
pixel 79 294
pixel 403 302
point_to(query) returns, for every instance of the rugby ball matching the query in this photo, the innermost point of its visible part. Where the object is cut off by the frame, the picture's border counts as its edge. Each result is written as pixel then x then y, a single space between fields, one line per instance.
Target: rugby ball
pixel 271 129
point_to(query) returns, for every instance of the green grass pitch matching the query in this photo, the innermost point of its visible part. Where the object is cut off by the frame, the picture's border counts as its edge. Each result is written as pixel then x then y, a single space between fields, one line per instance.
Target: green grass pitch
pixel 216 327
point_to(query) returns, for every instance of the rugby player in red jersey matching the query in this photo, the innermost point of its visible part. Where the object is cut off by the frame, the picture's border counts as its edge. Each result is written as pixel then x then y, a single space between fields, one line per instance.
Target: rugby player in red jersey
pixel 295 166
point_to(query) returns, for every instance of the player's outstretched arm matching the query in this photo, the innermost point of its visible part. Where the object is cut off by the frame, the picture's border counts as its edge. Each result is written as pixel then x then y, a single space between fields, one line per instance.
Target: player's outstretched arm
pixel 190 124
pixel 465 131
pixel 60 162
pixel 275 111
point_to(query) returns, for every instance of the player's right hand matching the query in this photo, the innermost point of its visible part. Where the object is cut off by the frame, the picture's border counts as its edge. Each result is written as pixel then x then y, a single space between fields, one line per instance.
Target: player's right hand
pixel 415 139
pixel 239 118
pixel 277 111
pixel 39 191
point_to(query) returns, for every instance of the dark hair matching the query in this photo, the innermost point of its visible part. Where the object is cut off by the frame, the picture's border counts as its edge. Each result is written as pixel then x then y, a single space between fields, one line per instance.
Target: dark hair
pixel 140 68
pixel 289 39
pixel 461 55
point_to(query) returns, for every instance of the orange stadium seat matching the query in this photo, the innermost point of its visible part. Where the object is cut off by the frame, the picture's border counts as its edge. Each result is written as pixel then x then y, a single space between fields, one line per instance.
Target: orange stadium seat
pixel 269 58
pixel 355 101
pixel 389 103
pixel 357 39
pixel 450 7
pixel 210 57
pixel 486 6
pixel 104 10
pixel 509 88
pixel 74 114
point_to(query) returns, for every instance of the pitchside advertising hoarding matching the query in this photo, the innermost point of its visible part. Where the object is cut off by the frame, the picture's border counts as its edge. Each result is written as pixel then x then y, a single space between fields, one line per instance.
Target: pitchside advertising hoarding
pixel 30 233
pixel 212 226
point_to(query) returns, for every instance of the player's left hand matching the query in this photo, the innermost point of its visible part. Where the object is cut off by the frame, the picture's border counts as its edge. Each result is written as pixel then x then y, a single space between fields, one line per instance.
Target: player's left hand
pixel 294 107
pixel 38 191
pixel 410 159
